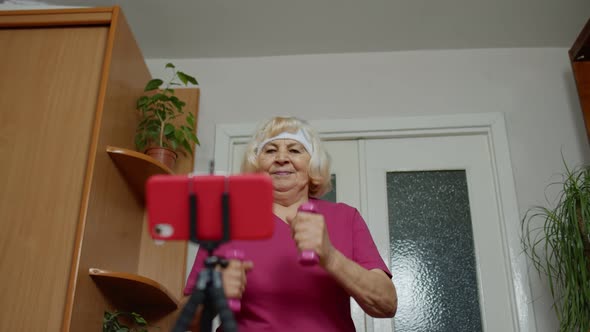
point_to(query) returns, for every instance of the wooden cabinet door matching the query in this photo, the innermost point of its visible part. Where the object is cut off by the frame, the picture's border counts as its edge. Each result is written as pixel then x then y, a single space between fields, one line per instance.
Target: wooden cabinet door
pixel 48 94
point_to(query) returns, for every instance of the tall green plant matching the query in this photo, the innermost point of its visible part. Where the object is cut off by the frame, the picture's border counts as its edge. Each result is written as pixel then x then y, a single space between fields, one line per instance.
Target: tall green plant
pixel 158 107
pixel 558 243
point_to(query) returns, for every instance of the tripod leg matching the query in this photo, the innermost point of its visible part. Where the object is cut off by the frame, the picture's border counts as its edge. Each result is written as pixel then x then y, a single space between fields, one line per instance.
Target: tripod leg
pixel 197 298
pixel 208 315
pixel 217 296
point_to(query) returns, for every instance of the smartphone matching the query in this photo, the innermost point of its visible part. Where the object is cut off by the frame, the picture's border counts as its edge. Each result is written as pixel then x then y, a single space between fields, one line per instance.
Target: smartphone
pixel 249 198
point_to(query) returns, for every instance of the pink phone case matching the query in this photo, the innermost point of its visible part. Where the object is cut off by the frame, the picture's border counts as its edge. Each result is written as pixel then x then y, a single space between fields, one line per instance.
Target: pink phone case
pixel 250 206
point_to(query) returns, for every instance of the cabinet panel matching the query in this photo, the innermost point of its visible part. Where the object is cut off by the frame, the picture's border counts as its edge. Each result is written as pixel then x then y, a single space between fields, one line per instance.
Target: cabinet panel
pixel 110 226
pixel 70 80
pixel 49 89
pixel 582 76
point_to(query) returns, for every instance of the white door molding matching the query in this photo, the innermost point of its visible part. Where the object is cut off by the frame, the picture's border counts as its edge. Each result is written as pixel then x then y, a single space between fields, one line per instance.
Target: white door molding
pixel 492 125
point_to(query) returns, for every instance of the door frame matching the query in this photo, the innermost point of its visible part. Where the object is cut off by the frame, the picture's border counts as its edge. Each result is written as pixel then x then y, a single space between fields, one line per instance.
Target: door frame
pixel 492 125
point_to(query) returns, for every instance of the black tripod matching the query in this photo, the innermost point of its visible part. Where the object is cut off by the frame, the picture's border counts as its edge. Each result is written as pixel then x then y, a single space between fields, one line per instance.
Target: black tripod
pixel 208 290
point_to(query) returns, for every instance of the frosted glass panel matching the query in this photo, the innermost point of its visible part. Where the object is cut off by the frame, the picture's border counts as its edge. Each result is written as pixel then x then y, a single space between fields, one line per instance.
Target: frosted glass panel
pixel 433 259
pixel 331 195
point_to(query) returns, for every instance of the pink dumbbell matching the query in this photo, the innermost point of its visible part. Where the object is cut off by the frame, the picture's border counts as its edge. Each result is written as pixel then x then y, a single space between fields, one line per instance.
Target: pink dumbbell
pixel 308 257
pixel 235 304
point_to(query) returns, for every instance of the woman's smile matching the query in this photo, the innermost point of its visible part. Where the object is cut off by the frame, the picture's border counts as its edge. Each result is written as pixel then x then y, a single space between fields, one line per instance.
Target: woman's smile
pixel 282 173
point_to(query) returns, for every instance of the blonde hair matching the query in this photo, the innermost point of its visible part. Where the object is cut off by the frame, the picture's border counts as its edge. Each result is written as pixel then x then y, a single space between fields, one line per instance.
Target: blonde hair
pixel 319 164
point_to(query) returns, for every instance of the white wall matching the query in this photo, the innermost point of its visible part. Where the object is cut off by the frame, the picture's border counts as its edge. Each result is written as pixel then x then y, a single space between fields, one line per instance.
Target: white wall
pixel 533 87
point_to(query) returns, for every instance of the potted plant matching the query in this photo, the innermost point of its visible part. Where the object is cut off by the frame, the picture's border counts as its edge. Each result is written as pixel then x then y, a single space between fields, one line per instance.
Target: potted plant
pixel 557 240
pixel 111 323
pixel 158 132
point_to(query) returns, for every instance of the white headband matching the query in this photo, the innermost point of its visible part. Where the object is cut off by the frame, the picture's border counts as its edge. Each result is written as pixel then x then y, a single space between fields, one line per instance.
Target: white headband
pixel 298 136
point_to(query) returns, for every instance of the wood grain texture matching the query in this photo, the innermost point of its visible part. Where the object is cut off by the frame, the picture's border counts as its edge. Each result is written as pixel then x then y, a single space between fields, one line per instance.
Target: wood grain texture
pixel 580 50
pixel 579 55
pixel 582 75
pixel 136 168
pixel 112 224
pixel 48 93
pixel 56 17
pixel 68 92
pixel 132 292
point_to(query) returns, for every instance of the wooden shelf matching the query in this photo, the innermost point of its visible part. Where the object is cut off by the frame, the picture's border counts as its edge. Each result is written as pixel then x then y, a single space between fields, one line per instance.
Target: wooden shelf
pixel 133 292
pixel 136 167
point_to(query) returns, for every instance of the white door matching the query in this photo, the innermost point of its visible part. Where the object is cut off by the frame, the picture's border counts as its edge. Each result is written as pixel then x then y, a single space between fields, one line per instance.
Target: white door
pixel 425 195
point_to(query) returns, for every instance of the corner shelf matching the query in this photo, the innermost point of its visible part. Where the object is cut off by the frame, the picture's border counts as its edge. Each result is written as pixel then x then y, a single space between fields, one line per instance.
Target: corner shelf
pixel 136 167
pixel 128 290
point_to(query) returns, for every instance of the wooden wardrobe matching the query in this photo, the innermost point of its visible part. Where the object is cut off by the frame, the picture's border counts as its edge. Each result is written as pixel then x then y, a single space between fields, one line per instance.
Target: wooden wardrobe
pixel 579 55
pixel 73 242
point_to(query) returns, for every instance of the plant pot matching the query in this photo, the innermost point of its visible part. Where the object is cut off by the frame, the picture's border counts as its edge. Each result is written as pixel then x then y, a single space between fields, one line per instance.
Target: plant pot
pixel 163 155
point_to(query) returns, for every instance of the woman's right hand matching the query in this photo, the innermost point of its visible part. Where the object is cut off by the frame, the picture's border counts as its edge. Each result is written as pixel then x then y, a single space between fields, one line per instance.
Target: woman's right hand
pixel 234 278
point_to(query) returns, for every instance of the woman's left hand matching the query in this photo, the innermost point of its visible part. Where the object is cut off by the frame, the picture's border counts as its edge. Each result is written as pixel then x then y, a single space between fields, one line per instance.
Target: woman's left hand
pixel 310 233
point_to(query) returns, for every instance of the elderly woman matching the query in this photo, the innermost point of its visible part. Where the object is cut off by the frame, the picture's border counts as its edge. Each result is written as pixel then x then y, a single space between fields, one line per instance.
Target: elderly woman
pixel 277 293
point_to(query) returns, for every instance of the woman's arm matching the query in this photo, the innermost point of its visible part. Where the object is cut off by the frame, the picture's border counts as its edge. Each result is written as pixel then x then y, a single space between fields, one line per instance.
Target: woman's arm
pixel 372 289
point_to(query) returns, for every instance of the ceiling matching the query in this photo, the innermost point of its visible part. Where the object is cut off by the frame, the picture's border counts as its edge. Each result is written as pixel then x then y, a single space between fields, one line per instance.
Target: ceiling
pixel 247 28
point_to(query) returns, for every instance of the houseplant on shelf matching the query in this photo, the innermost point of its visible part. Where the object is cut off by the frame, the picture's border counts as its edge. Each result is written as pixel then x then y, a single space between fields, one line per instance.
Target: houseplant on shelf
pixel 158 134
pixel 557 240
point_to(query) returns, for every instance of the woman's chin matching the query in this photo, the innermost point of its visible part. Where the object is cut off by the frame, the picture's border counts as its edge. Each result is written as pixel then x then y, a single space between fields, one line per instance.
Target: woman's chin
pixel 283 189
pixel 287 188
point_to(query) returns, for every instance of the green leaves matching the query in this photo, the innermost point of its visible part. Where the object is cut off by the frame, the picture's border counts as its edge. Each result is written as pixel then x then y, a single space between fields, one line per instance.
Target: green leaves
pixel 153 85
pixel 179 104
pixel 168 129
pixel 138 319
pixel 142 102
pixel 557 241
pixel 158 110
pixel 190 119
pixel 186 78
pixel 110 322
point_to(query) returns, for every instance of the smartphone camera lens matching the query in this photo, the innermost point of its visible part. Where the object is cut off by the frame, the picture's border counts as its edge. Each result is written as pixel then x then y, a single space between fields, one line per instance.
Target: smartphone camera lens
pixel 164 230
